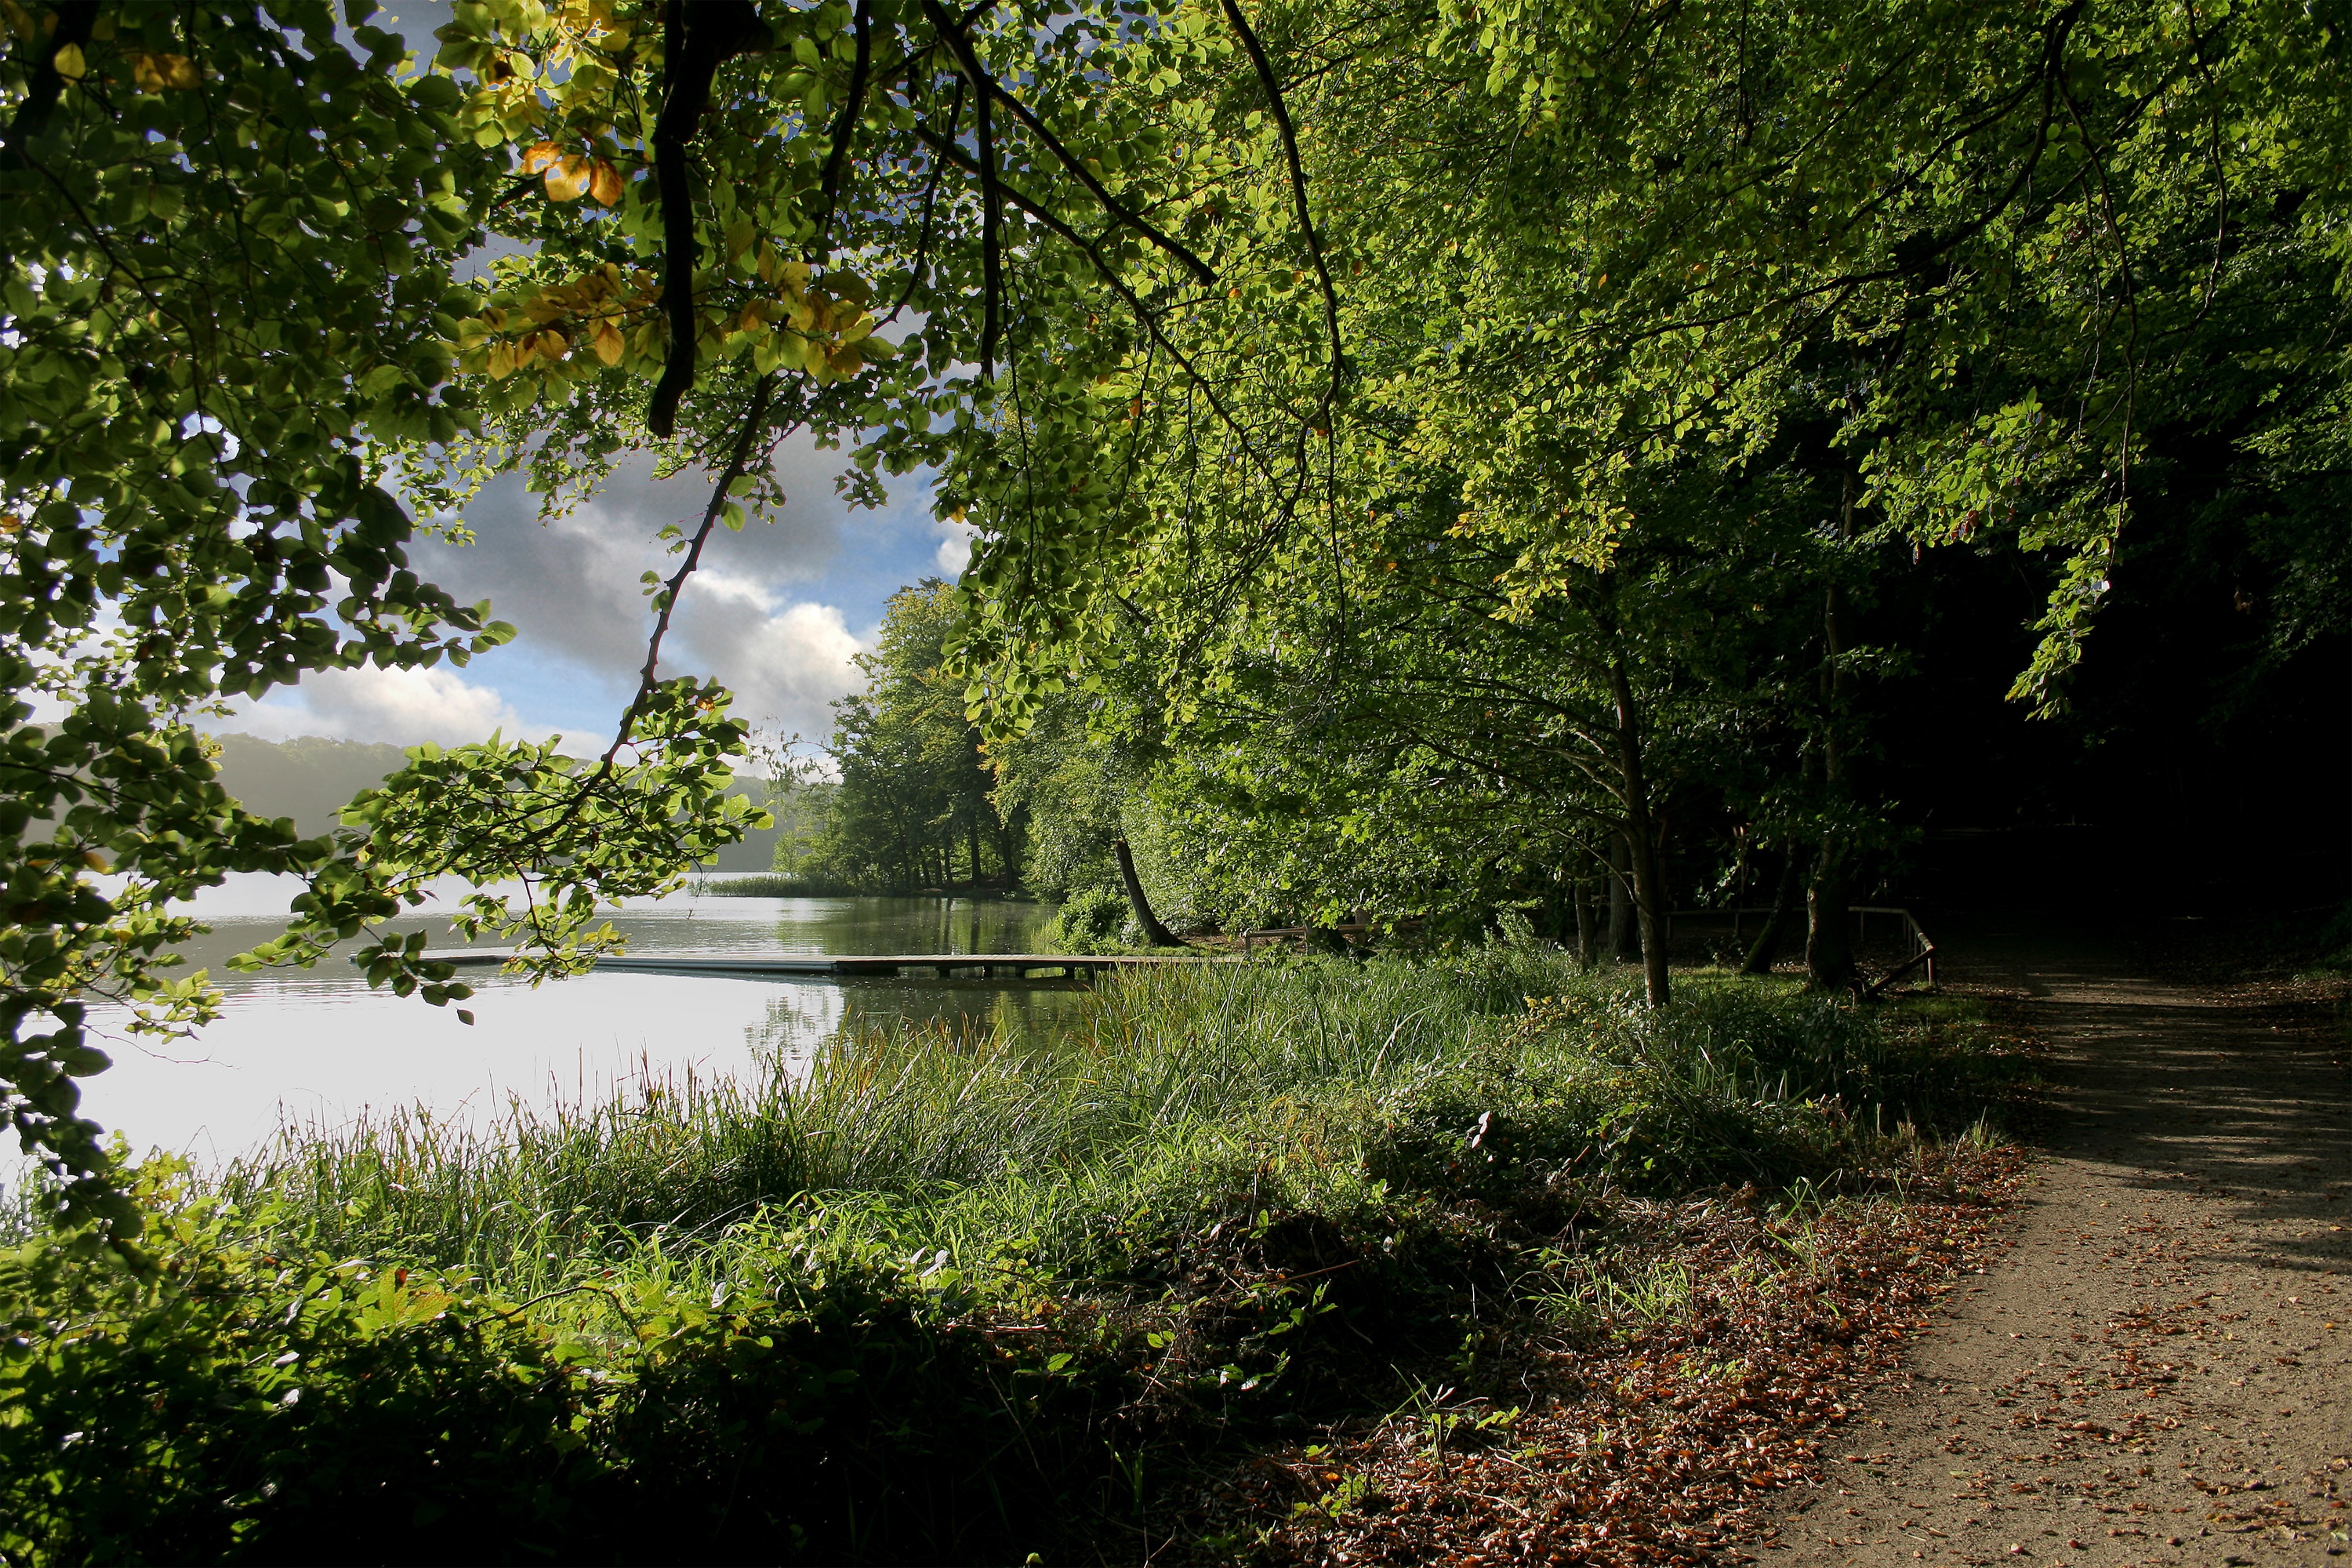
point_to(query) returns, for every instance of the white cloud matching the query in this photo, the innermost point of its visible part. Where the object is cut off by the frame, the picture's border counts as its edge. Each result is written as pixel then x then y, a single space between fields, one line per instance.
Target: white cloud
pixel 786 669
pixel 401 706
pixel 955 548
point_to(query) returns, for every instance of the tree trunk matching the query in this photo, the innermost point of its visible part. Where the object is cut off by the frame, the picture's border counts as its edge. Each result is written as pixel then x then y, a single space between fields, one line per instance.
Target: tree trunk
pixel 1621 902
pixel 1640 846
pixel 1007 855
pixel 1829 936
pixel 1154 934
pixel 1829 942
pixel 1764 951
pixel 1588 924
pixel 972 837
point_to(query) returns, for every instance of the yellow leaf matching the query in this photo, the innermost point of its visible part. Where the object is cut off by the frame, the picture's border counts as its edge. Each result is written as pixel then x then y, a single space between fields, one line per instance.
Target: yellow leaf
pixel 153 73
pixel 604 184
pixel 609 343
pixel 70 63
pixel 502 361
pixel 568 181
pixel 539 155
pixel 751 320
pixel 20 21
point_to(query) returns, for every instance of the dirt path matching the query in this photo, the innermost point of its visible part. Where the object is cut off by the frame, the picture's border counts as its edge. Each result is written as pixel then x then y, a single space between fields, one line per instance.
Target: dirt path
pixel 2161 1371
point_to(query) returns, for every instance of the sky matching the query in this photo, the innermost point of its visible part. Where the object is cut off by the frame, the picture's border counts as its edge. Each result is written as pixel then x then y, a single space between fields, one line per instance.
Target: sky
pixel 776 613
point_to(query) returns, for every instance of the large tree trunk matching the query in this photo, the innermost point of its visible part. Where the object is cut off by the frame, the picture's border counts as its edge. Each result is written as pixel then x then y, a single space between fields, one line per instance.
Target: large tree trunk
pixel 1829 940
pixel 1620 901
pixel 1764 951
pixel 1154 934
pixel 1640 843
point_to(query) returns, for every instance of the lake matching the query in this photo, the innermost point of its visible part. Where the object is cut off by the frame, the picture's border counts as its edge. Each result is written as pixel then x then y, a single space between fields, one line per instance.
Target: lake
pixel 318 1047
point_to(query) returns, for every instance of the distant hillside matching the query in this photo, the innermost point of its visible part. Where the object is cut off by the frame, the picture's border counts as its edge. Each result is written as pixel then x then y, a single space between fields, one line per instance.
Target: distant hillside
pixel 307 779
pixel 311 778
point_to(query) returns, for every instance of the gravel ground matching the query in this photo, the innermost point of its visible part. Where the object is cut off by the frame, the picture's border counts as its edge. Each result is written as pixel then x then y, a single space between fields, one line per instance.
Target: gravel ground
pixel 2161 1372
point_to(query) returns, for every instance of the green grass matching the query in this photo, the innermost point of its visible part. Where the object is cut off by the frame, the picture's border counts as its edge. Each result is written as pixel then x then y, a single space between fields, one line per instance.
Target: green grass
pixel 976 1285
pixel 947 1140
pixel 763 884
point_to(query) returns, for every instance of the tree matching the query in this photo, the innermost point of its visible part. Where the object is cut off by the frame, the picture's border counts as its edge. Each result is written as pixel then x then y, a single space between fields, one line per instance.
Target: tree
pixel 238 348
pixel 914 787
pixel 1957 277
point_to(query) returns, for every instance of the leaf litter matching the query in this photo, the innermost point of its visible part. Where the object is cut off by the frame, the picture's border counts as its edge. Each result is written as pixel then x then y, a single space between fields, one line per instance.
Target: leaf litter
pixel 1639 1439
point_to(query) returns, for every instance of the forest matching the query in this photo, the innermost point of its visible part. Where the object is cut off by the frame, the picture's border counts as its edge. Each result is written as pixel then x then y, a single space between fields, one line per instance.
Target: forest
pixel 1494 475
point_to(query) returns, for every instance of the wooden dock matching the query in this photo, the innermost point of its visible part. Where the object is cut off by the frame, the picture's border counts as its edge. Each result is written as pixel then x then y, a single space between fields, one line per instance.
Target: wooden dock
pixel 856 966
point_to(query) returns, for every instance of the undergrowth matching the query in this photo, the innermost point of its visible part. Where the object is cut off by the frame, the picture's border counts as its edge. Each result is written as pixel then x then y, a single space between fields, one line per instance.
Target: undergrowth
pixel 941 1295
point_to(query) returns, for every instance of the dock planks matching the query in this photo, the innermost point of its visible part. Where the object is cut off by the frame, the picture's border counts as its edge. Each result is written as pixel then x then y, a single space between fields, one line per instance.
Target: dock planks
pixel 854 966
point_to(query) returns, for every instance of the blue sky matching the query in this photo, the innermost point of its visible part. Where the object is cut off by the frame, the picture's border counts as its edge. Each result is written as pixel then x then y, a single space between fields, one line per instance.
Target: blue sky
pixel 776 612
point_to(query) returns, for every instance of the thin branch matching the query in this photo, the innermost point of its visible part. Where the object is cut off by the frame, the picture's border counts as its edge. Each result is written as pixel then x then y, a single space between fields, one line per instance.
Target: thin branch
pixel 930 202
pixel 991 191
pixel 754 421
pixel 837 155
pixel 1068 160
pixel 1281 112
pixel 1119 286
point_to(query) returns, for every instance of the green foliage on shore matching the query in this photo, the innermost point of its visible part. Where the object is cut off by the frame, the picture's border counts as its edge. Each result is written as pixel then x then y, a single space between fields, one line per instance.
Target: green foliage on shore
pixel 911 808
pixel 938 1298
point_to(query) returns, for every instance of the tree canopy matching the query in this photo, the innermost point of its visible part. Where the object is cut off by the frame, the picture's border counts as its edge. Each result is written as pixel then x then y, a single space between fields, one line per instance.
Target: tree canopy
pixel 1467 431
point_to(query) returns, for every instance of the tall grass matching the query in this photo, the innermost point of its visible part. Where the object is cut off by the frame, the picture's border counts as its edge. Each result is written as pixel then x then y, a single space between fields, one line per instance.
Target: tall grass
pixel 937 1296
pixel 957 1138
pixel 1170 1064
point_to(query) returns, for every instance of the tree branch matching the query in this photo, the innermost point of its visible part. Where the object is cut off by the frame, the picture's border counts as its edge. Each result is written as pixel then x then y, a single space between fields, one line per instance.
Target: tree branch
pixel 988 84
pixel 695 38
pixel 1281 112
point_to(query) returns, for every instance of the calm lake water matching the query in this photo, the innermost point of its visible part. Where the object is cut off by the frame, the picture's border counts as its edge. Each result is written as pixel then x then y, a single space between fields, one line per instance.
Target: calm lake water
pixel 318 1047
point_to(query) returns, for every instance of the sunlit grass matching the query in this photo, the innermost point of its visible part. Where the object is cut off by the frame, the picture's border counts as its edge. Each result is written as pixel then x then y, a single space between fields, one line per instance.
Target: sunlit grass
pixel 972 1138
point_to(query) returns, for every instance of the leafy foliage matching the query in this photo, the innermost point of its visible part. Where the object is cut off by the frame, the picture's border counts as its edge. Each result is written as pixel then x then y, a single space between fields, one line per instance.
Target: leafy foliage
pixel 946 1300
pixel 912 796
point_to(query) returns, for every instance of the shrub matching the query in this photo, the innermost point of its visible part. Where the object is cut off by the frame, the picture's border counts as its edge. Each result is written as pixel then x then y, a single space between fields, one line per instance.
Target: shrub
pixel 1089 920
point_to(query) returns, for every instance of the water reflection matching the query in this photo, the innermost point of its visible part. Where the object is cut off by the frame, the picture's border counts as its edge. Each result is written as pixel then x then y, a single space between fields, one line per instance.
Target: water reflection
pixel 318 1047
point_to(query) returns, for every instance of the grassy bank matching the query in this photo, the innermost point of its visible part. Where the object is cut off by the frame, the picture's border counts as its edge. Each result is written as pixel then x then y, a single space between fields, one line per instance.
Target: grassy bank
pixel 939 1298
pixel 767 885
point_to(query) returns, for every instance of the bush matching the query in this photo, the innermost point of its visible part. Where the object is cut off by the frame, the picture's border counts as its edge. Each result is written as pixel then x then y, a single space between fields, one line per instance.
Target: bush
pixel 1091 919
